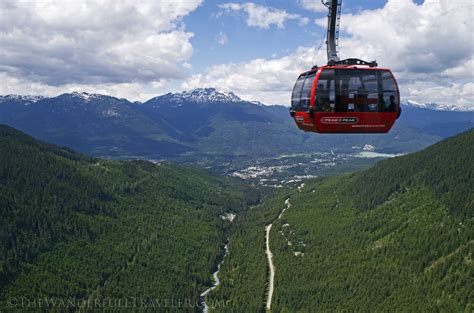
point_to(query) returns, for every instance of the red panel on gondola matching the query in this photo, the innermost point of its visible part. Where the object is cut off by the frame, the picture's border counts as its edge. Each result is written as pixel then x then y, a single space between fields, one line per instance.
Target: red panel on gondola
pixel 346 99
pixel 345 96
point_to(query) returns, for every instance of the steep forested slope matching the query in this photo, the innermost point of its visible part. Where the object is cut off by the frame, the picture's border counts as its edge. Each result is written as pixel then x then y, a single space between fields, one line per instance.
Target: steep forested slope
pixel 78 227
pixel 396 237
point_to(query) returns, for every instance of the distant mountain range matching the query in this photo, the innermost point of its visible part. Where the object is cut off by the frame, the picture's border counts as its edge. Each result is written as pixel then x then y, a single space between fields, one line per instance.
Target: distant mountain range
pixel 440 107
pixel 204 124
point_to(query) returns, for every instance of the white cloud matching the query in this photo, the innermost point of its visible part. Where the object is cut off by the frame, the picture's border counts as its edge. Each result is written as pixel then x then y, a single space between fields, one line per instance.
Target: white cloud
pixel 187 65
pixel 262 16
pixel 312 5
pixel 429 47
pixel 410 37
pixel 133 91
pixel 269 81
pixel 461 95
pixel 137 52
pixel 94 42
pixel 222 38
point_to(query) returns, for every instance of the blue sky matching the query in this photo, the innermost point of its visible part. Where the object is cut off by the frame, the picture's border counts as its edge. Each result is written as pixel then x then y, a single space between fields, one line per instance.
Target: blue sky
pixel 258 42
pixel 256 49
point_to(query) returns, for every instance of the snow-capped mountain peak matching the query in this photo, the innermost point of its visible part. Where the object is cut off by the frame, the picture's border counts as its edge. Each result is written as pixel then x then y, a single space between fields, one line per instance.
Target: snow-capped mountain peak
pixel 85 95
pixel 24 99
pixel 203 95
pixel 439 107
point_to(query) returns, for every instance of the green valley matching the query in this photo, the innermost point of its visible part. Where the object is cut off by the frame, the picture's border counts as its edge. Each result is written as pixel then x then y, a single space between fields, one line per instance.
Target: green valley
pixel 396 237
pixel 80 234
pixel 192 156
pixel 75 227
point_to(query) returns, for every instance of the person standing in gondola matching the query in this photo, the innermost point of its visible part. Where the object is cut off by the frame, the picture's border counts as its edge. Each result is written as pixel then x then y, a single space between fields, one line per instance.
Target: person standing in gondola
pixel 392 106
pixel 323 99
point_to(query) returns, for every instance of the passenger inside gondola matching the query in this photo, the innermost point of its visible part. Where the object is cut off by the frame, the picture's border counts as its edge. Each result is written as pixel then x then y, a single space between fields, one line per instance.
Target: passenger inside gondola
pixel 325 92
pixel 322 99
pixel 392 106
pixel 361 96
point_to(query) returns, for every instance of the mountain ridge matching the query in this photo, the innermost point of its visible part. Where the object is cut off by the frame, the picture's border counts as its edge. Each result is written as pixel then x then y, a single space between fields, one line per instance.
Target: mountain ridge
pixel 187 128
pixel 210 94
pixel 438 107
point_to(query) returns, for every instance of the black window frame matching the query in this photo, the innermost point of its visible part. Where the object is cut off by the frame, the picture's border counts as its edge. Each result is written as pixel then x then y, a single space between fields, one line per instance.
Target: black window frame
pixel 300 106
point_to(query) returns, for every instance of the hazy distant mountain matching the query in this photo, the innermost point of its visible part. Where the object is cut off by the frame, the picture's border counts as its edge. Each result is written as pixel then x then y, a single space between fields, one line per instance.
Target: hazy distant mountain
pixel 92 123
pixel 203 124
pixel 436 121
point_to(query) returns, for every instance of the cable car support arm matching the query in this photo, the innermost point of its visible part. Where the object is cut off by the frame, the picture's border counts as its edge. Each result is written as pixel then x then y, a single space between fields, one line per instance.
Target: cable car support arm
pixel 332 39
pixel 334 15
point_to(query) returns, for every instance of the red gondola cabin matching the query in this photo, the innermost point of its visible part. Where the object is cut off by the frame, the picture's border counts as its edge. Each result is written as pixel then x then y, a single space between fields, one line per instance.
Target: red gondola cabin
pixel 345 99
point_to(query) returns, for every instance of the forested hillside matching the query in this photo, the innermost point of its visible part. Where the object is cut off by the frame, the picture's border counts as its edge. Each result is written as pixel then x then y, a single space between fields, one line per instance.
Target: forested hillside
pixel 396 237
pixel 72 226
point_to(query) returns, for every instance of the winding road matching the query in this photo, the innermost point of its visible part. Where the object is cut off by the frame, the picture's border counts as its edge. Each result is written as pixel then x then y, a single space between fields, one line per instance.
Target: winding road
pixel 271 277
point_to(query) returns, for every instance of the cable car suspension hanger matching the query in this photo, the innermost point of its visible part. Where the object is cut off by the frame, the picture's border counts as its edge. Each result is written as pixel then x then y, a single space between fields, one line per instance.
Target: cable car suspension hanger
pixel 332 38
